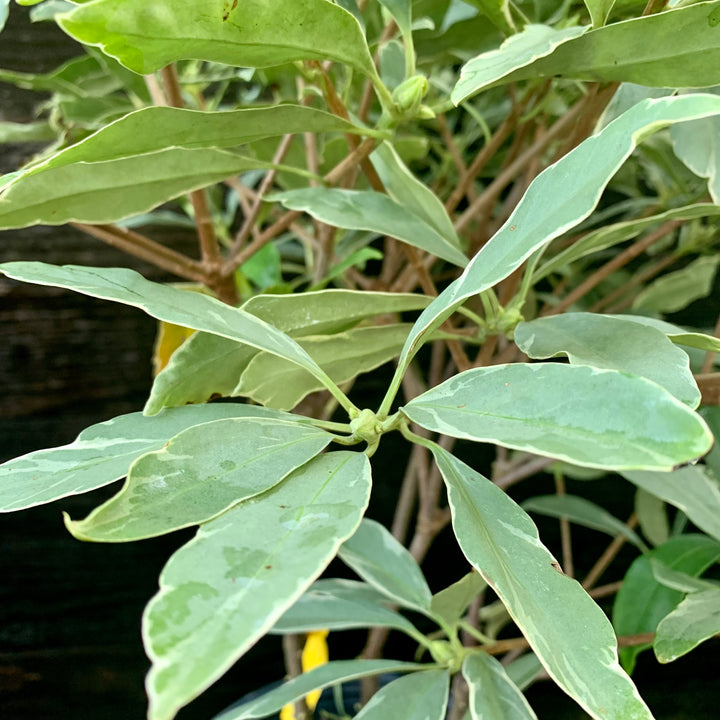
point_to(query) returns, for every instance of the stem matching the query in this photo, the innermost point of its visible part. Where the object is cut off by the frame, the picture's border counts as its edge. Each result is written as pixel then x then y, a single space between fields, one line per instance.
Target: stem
pixel 222 284
pixel 249 221
pixel 292 653
pixel 138 245
pixel 493 190
pixel 607 557
pixel 565 538
pixel 636 249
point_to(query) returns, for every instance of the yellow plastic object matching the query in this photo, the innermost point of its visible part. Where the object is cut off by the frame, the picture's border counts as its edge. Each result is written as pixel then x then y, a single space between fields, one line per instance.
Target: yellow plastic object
pixel 169 338
pixel 314 654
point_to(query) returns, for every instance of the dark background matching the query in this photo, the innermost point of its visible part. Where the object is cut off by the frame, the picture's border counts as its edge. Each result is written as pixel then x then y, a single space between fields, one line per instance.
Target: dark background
pixel 70 612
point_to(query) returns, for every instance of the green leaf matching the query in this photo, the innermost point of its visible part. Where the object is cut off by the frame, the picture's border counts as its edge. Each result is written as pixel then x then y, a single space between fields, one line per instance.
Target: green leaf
pixel 256 33
pixel 332 673
pixel 277 383
pixel 518 51
pixel 229 585
pixel 524 671
pixel 672 49
pixel 419 696
pixel 340 605
pixel 102 454
pixel 609 235
pixel 208 365
pixel 401 10
pixel 379 559
pixel 599 11
pixel 408 191
pixel 568 632
pixel 687 488
pixel 589 417
pixel 199 474
pixel 146 158
pixel 498 12
pixel 373 211
pixel 4 7
pixel 555 202
pixel 583 512
pixel 642 601
pixel 652 517
pixel 673 291
pixel 677 580
pixel 694 620
pixel 696 144
pixel 493 695
pixel 452 602
pixel 164 302
pixel 612 343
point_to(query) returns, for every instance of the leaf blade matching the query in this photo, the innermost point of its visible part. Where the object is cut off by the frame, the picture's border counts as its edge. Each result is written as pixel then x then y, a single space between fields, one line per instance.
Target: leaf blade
pixel 101 454
pixel 373 211
pixel 248 557
pixel 562 411
pixel 145 38
pixel 198 474
pixel 568 632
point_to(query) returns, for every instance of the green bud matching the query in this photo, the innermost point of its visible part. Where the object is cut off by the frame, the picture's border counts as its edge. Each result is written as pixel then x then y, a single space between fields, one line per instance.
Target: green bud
pixel 409 94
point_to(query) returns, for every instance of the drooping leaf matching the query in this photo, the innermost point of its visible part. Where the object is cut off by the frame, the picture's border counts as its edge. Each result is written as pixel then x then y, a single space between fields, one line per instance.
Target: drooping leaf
pixel 340 605
pixel 554 203
pixel 687 488
pixel 599 11
pixel 103 453
pixel 676 48
pixel 493 695
pixel 333 673
pixel 583 512
pixel 164 302
pixel 568 632
pixel 229 585
pixel 589 417
pixel 254 33
pixel 418 696
pixel 694 620
pixel 613 343
pixel 452 602
pixel 198 474
pixel 408 191
pixel 279 384
pixel 114 189
pixel 652 516
pixel 373 211
pixel 379 559
pixel 672 292
pixel 208 365
pixel 642 601
pixel 518 51
pixel 609 235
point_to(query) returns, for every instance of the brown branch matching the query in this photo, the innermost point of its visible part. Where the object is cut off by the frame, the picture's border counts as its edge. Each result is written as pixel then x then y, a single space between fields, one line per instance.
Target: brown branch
pixel 146 249
pixel 630 253
pixel 223 285
pixel 485 201
pixel 609 555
